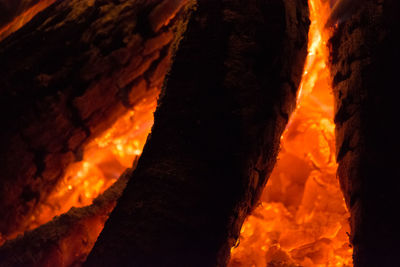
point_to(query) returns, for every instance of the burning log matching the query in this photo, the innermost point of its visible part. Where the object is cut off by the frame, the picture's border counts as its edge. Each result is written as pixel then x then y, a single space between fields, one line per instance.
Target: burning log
pixel 365 59
pixel 231 90
pixel 15 13
pixel 66 76
pixel 9 9
pixel 67 239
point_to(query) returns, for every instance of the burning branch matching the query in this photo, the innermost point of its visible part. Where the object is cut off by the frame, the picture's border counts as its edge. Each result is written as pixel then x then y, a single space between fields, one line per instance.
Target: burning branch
pixel 66 77
pixel 217 128
pixel 364 59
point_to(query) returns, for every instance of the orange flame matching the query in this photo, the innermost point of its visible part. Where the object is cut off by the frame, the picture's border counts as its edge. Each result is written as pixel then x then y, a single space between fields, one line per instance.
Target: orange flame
pixel 302 219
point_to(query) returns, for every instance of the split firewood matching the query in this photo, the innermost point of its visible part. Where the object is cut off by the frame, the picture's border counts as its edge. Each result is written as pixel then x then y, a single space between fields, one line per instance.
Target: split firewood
pixel 230 92
pixel 65 77
pixel 365 58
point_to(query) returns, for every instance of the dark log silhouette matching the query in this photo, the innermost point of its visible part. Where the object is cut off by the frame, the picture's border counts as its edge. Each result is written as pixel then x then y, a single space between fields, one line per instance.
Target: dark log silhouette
pixel 65 77
pixel 365 58
pixel 216 136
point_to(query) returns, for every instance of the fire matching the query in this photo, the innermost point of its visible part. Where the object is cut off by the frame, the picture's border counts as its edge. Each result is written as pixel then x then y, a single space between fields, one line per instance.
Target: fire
pixel 302 219
pixel 104 160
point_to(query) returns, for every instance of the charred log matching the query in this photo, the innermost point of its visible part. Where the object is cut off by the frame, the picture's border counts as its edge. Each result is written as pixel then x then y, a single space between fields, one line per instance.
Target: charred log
pixel 15 13
pixel 216 136
pixel 365 57
pixel 67 239
pixel 66 76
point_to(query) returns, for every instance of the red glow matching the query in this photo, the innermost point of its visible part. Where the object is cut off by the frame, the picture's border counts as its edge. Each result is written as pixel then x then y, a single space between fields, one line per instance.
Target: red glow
pixel 302 219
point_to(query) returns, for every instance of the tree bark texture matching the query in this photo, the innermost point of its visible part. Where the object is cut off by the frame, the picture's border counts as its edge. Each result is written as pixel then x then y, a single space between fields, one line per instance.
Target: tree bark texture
pixel 216 136
pixel 65 77
pixel 365 58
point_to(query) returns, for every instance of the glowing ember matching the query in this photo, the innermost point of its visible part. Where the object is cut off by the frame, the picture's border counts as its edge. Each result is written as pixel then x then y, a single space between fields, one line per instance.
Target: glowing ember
pixel 302 219
pixel 23 18
pixel 104 160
